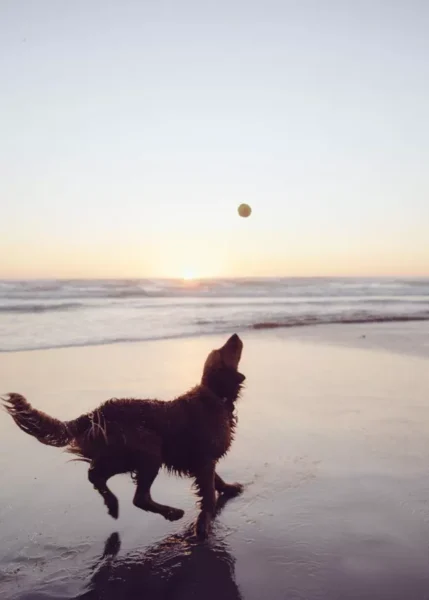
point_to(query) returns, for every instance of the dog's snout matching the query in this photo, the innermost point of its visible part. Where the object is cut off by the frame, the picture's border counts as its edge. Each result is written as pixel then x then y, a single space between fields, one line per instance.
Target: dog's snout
pixel 230 353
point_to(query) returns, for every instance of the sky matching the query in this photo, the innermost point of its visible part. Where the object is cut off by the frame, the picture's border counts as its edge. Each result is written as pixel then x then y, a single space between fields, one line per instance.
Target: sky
pixel 131 130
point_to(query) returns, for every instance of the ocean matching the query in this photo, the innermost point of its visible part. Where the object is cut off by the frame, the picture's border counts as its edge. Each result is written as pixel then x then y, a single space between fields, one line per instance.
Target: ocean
pixel 54 314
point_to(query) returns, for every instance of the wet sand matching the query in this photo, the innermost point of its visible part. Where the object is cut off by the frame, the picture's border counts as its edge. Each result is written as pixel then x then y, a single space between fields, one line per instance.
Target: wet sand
pixel 332 444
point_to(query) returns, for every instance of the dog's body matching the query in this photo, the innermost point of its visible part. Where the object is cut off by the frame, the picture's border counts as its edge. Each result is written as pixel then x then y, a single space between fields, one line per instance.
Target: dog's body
pixel 187 436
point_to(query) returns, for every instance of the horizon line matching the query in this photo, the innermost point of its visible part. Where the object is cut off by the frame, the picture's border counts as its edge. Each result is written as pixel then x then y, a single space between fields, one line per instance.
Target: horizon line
pixel 217 278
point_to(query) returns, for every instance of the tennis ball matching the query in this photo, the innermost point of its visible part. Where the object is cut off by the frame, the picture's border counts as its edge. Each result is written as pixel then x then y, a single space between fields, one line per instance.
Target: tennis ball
pixel 244 210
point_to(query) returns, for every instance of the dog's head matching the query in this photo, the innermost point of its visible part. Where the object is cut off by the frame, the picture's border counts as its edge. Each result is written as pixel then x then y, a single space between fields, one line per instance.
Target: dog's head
pixel 221 373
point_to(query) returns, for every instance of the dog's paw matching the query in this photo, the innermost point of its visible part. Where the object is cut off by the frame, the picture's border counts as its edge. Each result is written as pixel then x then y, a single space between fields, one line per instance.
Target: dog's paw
pixel 232 489
pixel 112 507
pixel 174 514
pixel 203 526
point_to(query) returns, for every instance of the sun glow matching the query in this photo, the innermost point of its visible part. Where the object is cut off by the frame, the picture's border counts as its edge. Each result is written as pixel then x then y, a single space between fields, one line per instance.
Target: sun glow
pixel 189 275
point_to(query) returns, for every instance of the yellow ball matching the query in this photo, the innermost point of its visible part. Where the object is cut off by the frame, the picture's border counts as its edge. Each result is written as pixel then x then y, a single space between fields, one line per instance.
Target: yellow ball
pixel 244 210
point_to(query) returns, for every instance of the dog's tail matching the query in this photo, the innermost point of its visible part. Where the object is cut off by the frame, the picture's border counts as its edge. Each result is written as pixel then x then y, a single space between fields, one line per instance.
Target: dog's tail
pixel 46 429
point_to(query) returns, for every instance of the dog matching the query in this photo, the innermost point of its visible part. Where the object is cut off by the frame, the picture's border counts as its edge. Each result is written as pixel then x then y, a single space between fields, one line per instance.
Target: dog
pixel 187 436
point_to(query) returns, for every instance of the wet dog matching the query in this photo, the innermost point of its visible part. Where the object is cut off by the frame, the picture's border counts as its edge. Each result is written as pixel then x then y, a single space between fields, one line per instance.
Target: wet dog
pixel 187 435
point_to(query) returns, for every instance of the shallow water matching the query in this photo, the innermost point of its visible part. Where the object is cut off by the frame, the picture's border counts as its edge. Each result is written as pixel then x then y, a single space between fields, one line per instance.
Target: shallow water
pixel 333 448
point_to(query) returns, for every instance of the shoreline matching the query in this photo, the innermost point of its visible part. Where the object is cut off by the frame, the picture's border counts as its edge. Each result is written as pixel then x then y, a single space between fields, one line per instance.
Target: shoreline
pixel 390 336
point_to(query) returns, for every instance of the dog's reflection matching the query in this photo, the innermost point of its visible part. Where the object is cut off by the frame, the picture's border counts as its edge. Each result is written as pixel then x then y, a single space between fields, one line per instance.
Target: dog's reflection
pixel 177 568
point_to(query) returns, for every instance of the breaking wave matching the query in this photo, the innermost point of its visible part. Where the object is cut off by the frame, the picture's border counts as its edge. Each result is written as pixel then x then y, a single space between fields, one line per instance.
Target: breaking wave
pixel 39 308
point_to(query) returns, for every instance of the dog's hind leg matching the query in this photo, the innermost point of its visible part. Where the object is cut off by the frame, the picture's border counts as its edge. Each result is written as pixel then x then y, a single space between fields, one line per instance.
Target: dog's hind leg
pixel 145 476
pixel 99 473
pixel 229 489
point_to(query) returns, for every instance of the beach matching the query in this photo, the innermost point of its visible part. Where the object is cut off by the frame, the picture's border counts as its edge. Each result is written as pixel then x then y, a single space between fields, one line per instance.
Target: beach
pixel 332 446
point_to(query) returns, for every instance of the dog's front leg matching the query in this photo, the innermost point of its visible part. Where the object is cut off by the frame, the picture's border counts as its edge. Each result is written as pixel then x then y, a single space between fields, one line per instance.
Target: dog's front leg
pixel 205 484
pixel 229 489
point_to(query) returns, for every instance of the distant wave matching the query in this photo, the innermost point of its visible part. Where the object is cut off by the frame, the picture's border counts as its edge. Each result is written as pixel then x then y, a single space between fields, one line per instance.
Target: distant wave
pixel 40 308
pixel 132 293
pixel 338 320
pixel 218 288
pixel 151 301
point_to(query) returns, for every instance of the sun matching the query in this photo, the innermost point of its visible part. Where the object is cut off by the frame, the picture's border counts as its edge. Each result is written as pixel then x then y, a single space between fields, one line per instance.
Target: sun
pixel 189 275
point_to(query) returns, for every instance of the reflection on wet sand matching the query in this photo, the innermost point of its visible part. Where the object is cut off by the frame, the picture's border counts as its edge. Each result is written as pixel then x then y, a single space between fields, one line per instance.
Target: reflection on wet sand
pixel 179 567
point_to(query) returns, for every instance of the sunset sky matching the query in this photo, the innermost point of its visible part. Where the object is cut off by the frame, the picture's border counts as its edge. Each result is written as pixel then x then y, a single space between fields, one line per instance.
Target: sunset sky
pixel 132 130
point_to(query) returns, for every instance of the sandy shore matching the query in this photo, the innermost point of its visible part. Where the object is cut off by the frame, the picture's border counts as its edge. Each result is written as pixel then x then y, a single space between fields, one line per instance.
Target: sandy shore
pixel 332 444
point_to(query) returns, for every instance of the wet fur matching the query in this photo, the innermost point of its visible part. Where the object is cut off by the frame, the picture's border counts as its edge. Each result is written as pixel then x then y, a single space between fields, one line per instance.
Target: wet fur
pixel 187 435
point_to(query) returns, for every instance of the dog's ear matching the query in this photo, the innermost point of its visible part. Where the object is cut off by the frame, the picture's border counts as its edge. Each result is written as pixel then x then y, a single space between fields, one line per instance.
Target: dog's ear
pixel 213 361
